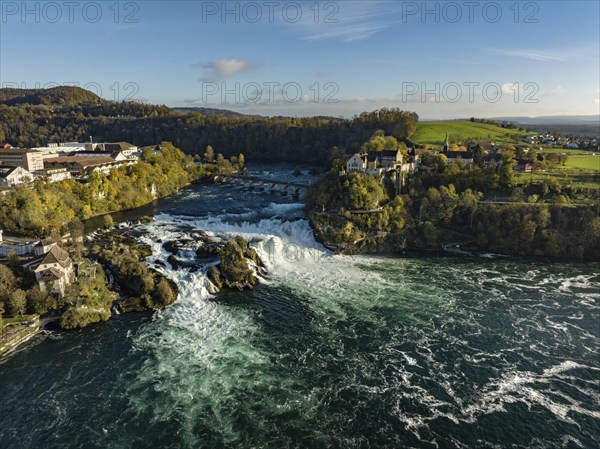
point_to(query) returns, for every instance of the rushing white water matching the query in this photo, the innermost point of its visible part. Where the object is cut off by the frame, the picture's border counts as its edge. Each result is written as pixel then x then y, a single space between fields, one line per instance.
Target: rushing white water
pixel 225 351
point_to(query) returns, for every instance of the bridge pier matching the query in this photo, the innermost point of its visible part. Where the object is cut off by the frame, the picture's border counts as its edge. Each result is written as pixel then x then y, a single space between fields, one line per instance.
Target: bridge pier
pixel 252 183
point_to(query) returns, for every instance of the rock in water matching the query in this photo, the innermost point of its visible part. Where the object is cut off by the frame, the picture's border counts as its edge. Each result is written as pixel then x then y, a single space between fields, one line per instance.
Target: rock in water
pixel 174 261
pixel 234 269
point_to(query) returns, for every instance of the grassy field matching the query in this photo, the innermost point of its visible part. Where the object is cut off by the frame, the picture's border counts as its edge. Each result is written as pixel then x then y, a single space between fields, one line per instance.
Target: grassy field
pixel 584 162
pixel 17 319
pixel 568 151
pixel 434 133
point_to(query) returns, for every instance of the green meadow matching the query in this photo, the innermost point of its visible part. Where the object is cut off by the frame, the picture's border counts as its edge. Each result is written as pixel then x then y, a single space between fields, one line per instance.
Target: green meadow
pixel 434 133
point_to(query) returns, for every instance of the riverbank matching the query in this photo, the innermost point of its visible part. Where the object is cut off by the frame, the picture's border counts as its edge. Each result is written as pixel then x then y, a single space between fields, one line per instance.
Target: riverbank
pixel 17 331
pixel 548 232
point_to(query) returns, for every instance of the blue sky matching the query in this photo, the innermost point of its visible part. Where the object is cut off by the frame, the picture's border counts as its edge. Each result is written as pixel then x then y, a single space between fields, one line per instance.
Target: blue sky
pixel 440 59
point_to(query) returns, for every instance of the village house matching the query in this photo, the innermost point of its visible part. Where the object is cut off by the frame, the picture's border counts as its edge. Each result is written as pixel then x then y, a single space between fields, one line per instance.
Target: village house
pixel 44 246
pixel 524 166
pixel 531 139
pixel 356 164
pixel 464 156
pixel 53 269
pixel 373 164
pixel 116 155
pixel 127 150
pixel 492 160
pixel 14 176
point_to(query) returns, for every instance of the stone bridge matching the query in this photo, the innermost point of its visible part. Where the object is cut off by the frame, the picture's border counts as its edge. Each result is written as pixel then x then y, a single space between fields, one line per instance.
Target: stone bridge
pixel 271 185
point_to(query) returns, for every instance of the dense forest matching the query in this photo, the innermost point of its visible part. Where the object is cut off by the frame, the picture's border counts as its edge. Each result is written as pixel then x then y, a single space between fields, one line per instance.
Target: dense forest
pixel 73 114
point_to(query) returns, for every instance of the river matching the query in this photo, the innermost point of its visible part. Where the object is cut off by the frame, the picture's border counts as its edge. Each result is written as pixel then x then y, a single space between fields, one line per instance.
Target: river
pixel 328 352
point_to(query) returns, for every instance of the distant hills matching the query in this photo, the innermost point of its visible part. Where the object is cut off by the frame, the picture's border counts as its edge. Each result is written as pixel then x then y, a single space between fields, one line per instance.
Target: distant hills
pixel 62 95
pixel 554 119
pixel 212 112
pixel 569 125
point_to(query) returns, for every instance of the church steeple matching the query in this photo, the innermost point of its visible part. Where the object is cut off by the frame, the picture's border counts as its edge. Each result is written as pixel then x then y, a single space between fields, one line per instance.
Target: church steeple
pixel 446 144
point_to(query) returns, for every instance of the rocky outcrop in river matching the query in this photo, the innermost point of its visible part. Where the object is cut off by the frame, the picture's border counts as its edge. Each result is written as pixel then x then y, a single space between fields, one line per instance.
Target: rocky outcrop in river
pixel 232 264
pixel 238 266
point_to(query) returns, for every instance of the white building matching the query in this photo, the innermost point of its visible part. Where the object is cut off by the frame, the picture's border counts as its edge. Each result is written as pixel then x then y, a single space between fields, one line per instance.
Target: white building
pixel 118 150
pixel 357 163
pixel 14 176
pixel 376 163
pixel 53 270
pixel 53 174
pixel 30 160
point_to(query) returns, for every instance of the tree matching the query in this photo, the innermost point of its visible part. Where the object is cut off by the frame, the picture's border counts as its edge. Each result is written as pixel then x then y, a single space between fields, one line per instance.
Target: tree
pixel 40 302
pixel 18 302
pixel 478 155
pixel 108 221
pixel 7 280
pixel 209 154
pixel 469 201
pixel 241 162
pixel 448 204
pixel 76 228
pixel 506 173
pixel 430 235
pixel 517 194
pixel 1 313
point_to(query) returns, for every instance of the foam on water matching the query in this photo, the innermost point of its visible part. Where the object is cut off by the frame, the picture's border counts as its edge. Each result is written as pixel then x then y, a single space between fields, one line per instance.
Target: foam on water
pixel 347 297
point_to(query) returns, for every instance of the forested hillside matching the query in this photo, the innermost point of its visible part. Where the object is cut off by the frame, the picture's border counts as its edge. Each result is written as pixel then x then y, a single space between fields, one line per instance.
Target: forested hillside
pixel 62 95
pixel 270 139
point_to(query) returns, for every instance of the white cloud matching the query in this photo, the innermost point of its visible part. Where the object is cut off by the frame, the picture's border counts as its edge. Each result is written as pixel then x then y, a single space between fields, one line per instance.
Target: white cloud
pixel 533 55
pixel 226 68
pixel 347 21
